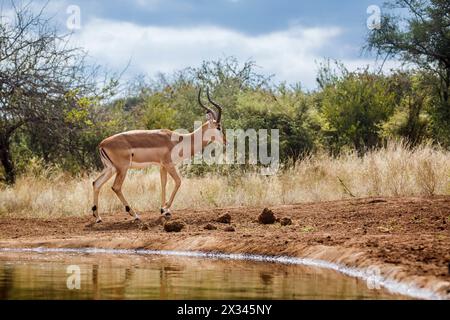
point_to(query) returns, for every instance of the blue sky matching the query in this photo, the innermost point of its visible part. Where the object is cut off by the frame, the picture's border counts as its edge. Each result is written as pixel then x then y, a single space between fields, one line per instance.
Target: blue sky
pixel 285 38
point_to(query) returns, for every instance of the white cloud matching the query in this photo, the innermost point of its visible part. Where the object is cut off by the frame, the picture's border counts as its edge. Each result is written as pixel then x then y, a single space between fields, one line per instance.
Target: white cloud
pixel 290 54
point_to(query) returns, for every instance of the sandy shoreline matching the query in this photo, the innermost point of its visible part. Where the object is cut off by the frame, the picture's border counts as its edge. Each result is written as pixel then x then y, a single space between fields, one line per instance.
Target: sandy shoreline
pixel 407 239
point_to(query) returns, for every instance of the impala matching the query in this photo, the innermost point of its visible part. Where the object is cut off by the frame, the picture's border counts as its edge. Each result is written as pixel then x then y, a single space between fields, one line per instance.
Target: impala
pixel 139 149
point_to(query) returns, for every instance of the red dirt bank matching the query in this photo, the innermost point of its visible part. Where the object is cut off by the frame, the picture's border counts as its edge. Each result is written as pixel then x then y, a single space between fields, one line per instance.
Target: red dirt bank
pixel 409 238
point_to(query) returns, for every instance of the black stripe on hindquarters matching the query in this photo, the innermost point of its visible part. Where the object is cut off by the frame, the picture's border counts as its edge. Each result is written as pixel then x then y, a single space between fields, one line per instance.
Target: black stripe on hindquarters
pixel 105 154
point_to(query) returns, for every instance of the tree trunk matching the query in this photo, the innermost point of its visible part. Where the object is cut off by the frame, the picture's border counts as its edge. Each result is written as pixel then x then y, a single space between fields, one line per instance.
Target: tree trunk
pixel 7 162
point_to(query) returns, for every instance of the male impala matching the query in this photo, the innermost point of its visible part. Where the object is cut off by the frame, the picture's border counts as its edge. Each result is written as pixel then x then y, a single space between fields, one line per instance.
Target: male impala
pixel 141 148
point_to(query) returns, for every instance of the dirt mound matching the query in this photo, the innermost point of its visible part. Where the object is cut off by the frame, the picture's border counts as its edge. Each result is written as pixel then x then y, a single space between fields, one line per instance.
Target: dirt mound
pixel 210 226
pixel 174 226
pixel 286 222
pixel 230 229
pixel 267 217
pixel 225 218
pixel 144 227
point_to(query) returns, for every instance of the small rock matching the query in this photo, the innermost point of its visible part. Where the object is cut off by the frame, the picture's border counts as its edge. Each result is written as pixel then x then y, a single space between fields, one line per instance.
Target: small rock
pixel 144 227
pixel 173 226
pixel 210 226
pixel 225 218
pixel 286 222
pixel 230 229
pixel 267 217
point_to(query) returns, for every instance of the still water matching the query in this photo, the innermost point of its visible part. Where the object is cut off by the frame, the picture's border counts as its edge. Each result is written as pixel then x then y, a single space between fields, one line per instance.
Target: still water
pixel 111 276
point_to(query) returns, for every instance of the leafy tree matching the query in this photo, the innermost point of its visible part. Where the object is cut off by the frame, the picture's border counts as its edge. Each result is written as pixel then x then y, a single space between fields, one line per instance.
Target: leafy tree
pixel 353 108
pixel 227 78
pixel 42 81
pixel 156 113
pixel 421 37
pixel 413 98
pixel 286 109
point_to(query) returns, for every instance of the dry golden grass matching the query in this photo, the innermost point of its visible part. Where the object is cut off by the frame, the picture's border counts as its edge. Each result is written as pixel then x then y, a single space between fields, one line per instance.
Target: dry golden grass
pixel 393 171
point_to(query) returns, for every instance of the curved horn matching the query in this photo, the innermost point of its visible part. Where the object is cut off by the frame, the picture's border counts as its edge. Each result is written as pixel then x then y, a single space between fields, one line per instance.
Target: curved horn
pixel 219 108
pixel 201 103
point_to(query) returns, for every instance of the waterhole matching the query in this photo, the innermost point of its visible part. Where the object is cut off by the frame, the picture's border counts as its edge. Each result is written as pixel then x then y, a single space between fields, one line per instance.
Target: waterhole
pixel 84 275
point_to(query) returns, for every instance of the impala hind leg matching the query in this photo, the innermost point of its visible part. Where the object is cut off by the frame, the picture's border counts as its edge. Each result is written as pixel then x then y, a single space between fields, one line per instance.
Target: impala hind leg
pixel 104 176
pixel 117 188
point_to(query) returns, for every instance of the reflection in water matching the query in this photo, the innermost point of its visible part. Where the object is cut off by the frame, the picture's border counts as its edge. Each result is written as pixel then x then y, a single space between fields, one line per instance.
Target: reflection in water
pixel 107 276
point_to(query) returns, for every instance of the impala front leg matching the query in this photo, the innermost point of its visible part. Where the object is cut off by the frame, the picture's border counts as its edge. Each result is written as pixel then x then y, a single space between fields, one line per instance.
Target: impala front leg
pixel 176 178
pixel 163 175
